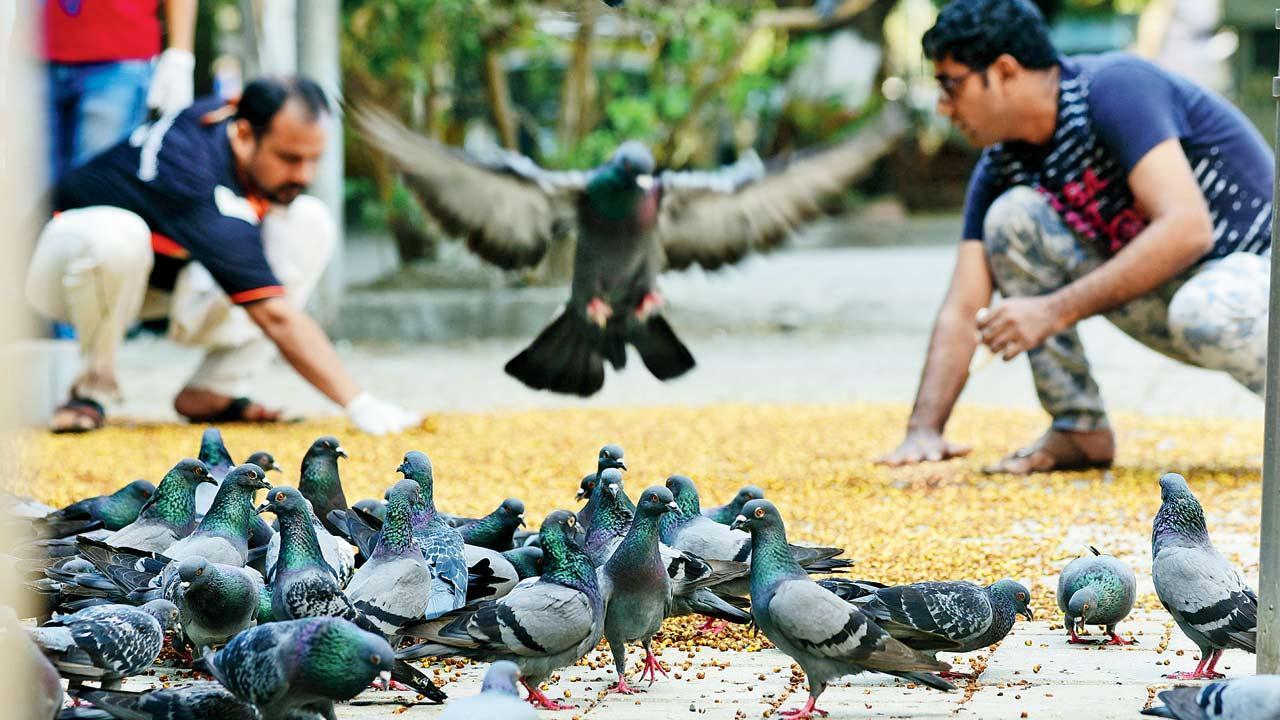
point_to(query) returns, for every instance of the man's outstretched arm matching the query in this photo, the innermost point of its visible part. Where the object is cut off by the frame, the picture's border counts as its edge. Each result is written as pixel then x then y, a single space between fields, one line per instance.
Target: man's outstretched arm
pixel 946 367
pixel 305 346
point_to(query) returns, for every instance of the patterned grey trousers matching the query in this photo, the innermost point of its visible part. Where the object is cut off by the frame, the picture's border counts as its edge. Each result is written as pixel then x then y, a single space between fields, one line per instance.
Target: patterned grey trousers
pixel 1213 315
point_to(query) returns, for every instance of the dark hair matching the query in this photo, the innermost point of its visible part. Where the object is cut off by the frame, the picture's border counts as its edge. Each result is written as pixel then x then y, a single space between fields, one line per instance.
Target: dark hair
pixel 976 32
pixel 263 98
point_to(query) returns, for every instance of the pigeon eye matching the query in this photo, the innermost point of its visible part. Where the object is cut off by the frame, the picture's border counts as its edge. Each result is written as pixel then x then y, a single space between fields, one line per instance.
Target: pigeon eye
pixel 375 659
pixel 759 512
pixel 571 521
pixel 279 497
pixel 1024 597
pixel 199 572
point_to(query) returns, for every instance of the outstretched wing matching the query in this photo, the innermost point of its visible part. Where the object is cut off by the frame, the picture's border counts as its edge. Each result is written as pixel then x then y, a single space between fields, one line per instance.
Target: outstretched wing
pixel 506 207
pixel 711 219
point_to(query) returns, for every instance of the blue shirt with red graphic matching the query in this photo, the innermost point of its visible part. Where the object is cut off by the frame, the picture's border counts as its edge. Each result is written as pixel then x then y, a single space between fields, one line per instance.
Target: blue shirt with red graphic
pixel 1112 110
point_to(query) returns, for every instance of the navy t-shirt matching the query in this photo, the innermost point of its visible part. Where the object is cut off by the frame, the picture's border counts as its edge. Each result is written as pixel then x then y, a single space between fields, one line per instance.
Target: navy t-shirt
pixel 1112 110
pixel 178 175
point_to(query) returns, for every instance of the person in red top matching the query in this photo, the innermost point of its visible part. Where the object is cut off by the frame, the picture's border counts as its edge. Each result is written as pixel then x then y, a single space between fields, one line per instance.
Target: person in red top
pixel 107 66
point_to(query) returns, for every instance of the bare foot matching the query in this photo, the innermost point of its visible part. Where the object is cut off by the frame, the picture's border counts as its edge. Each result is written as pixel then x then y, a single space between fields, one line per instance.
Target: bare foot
pixel 1060 450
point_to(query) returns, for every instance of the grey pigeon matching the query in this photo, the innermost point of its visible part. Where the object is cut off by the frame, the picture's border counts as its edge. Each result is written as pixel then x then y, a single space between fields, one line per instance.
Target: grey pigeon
pixel 441 544
pixel 1204 593
pixel 499 698
pixel 611 515
pixel 214 454
pixel 302 583
pixel 205 700
pixel 111 512
pixel 631 225
pixel 106 643
pixel 828 637
pixel 689 530
pixel 320 481
pixel 335 550
pixel 1247 698
pixel 955 616
pixel 544 624
pixel 300 664
pixel 215 601
pixel 376 508
pixel 264 460
pixel 1096 589
pixel 636 589
pixel 725 514
pixel 611 456
pixel 388 588
pixel 223 534
pixel 495 530
pixel 170 514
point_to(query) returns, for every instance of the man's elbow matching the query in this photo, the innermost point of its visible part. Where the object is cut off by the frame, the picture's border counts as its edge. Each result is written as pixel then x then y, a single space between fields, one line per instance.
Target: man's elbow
pixel 1196 231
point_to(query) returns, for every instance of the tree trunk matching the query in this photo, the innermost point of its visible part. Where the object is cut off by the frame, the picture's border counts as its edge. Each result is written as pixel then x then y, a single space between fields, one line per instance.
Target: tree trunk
pixel 495 79
pixel 579 83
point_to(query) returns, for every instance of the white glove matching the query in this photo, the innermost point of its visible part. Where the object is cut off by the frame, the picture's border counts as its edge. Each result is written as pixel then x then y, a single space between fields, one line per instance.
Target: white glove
pixel 379 417
pixel 172 86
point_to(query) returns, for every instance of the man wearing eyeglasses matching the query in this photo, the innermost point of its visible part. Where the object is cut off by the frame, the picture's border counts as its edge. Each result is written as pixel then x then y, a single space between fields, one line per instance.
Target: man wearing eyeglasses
pixel 1106 186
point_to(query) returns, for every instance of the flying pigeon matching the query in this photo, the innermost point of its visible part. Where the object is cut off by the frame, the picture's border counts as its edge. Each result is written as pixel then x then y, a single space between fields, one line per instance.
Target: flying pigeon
pixel 631 225
pixel 300 664
pixel 1096 589
pixel 725 514
pixel 106 643
pixel 544 624
pixel 320 482
pixel 1204 593
pixel 499 698
pixel 828 637
pixel 1247 698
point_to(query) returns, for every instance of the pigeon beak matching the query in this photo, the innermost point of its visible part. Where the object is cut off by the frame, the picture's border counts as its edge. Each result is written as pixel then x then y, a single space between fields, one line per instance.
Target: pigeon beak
pixel 738 522
pixel 184 584
pixel 208 479
pixel 581 494
pixel 275 467
pixel 621 464
pixel 385 675
pixel 645 182
pixel 521 519
pixel 1026 613
pixel 672 505
pixel 264 507
pixel 613 489
pixel 340 452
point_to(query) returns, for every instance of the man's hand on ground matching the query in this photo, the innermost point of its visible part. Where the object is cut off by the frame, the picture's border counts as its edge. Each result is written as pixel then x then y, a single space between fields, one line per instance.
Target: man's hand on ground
pixel 379 417
pixel 923 446
pixel 1019 324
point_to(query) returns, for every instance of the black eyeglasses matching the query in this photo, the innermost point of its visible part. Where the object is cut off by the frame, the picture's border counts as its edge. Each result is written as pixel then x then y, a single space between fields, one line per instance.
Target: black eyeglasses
pixel 950 84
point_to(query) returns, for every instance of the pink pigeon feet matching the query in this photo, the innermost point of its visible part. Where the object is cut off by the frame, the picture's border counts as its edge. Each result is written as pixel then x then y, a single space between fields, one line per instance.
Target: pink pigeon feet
pixel 622 688
pixel 713 626
pixel 1117 640
pixel 649 304
pixel 1204 670
pixel 538 700
pixel 807 711
pixel 392 686
pixel 652 667
pixel 599 312
pixel 1076 639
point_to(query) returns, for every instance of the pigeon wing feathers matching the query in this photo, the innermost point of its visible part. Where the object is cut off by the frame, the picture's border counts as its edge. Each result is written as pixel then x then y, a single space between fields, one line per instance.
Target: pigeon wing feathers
pixel 714 223
pixel 823 625
pixel 507 212
pixel 1201 589
pixel 935 616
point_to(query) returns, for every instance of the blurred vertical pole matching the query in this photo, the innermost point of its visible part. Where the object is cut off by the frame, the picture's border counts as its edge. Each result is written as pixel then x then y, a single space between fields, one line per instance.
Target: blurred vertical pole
pixel 23 176
pixel 319 22
pixel 1268 617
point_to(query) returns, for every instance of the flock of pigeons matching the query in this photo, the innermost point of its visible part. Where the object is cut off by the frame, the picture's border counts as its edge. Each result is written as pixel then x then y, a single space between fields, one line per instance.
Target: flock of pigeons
pixel 288 619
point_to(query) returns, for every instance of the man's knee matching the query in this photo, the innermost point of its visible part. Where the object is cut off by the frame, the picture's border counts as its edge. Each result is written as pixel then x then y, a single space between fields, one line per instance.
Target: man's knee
pixel 1015 216
pixel 1205 320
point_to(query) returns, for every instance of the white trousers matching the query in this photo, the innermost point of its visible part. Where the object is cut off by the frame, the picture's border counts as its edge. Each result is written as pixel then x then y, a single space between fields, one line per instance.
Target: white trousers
pixel 91 268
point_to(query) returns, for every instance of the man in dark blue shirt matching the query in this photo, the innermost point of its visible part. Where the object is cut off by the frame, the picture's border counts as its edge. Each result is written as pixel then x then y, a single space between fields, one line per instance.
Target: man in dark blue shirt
pixel 200 217
pixel 1106 186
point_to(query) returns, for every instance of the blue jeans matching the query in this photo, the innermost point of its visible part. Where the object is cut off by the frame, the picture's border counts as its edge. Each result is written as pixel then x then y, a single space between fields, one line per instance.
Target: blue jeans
pixel 93 106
